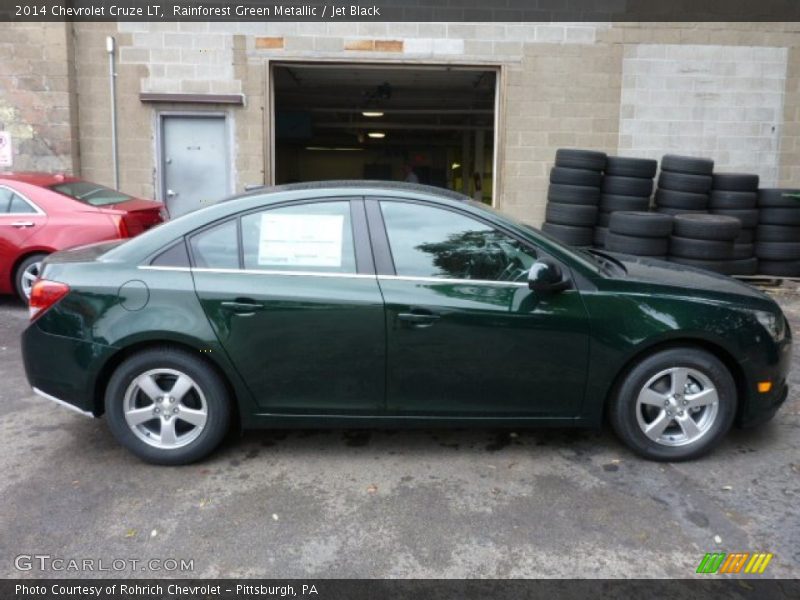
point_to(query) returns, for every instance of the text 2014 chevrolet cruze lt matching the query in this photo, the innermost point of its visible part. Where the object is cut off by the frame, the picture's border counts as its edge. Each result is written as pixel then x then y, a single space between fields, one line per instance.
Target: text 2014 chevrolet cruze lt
pixel 365 304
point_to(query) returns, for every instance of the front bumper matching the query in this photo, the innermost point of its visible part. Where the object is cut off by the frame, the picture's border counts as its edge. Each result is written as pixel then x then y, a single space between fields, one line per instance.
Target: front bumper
pixel 759 407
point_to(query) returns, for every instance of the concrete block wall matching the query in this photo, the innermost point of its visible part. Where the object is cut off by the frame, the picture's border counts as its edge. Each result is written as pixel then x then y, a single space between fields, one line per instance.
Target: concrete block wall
pixel 37 96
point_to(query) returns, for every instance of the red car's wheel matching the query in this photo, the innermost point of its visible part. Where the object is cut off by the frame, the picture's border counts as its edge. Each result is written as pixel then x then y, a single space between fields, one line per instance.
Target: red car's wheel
pixel 26 273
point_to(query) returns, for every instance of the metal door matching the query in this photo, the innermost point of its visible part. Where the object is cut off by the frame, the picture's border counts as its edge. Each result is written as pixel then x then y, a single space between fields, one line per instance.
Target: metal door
pixel 195 170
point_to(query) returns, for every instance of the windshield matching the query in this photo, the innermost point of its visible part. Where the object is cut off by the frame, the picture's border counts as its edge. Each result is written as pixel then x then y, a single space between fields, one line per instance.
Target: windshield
pixel 90 193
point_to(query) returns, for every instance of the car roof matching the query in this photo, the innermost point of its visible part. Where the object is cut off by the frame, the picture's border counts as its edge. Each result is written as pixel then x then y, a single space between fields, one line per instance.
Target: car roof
pixel 362 185
pixel 38 178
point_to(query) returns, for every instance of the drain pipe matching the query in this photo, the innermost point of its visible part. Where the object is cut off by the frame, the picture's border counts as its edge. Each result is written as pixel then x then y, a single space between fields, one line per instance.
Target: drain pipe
pixel 112 80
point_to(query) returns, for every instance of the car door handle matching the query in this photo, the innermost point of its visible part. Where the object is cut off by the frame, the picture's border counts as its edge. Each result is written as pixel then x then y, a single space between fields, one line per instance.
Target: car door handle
pixel 418 318
pixel 22 224
pixel 242 307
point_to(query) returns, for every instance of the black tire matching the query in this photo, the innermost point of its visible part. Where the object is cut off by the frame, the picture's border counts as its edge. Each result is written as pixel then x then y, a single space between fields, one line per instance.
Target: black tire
pixel 570 235
pixel 723 267
pixel 624 413
pixel 637 246
pixel 623 166
pixel 581 159
pixel 732 200
pixel 746 236
pixel 627 186
pixel 684 182
pixel 743 266
pixel 603 219
pixel 777 233
pixel 599 238
pixel 568 176
pixel 735 182
pixel 612 202
pixel 207 381
pixel 778 250
pixel 748 217
pixel 687 164
pixel 571 214
pixel 702 249
pixel 741 251
pixel 706 227
pixel 640 224
pixel 26 266
pixel 778 198
pixel 779 268
pixel 779 216
pixel 673 199
pixel 665 210
pixel 573 194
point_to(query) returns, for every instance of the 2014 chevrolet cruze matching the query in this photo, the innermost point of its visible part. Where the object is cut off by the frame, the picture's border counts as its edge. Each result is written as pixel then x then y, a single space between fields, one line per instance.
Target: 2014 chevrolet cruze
pixel 367 304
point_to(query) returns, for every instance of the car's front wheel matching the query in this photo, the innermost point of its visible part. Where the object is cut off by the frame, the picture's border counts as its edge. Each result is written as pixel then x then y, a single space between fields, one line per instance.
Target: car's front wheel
pixel 167 406
pixel 674 405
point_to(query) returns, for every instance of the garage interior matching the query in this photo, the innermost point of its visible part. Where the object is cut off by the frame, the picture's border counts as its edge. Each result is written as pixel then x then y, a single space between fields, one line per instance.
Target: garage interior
pixel 432 124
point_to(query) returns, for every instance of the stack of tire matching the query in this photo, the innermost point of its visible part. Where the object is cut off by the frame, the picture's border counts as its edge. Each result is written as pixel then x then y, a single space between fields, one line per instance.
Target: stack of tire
pixel 736 195
pixel 639 233
pixel 704 241
pixel 627 186
pixel 573 196
pixel 778 234
pixel 683 185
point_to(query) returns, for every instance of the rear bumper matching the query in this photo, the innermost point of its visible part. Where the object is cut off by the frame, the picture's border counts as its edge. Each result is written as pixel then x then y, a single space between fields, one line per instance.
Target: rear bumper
pixel 47 396
pixel 62 369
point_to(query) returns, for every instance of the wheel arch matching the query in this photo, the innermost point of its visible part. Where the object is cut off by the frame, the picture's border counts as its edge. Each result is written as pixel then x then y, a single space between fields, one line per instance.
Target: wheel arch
pixel 105 373
pixel 717 350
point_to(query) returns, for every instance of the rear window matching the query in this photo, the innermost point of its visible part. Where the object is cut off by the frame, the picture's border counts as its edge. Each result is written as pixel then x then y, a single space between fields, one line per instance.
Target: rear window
pixel 90 193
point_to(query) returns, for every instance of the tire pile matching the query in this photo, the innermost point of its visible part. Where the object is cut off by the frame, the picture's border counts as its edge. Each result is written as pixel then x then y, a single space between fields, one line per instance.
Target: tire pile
pixel 627 186
pixel 704 241
pixel 573 196
pixel 684 185
pixel 639 233
pixel 777 243
pixel 736 195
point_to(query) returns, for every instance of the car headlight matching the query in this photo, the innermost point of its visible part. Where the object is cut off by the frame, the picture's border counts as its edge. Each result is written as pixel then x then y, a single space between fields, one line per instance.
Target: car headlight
pixel 774 324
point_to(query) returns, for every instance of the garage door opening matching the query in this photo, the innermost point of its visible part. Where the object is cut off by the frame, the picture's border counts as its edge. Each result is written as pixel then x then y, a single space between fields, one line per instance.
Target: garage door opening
pixel 434 125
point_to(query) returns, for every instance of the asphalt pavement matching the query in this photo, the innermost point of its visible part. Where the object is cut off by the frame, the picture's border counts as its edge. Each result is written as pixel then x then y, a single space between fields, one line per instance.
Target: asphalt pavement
pixel 385 503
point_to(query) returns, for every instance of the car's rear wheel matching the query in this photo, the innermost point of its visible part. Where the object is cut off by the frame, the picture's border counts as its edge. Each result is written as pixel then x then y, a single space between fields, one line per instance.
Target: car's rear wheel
pixel 27 272
pixel 674 405
pixel 167 407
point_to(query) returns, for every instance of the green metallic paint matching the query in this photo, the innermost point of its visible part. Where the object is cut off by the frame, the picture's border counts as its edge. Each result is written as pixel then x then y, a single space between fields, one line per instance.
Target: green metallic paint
pixel 321 348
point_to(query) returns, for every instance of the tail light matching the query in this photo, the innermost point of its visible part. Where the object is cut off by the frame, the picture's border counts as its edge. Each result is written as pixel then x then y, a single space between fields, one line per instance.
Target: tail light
pixel 121 225
pixel 45 294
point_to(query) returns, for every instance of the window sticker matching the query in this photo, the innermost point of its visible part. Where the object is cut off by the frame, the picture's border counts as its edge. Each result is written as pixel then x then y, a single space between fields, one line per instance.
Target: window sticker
pixel 301 240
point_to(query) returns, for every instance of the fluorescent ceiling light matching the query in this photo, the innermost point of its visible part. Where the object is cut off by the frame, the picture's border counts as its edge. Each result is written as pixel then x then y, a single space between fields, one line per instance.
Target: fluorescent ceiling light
pixel 455 166
pixel 372 113
pixel 376 135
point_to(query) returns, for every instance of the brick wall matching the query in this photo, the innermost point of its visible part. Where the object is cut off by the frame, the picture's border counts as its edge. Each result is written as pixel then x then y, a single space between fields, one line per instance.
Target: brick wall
pixel 37 95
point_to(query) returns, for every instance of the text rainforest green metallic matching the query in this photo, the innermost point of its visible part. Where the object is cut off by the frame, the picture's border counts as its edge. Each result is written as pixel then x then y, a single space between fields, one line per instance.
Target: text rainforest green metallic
pixel 371 304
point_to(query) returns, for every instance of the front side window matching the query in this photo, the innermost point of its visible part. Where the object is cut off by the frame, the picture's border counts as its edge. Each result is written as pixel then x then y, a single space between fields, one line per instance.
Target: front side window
pixel 316 236
pixel 431 242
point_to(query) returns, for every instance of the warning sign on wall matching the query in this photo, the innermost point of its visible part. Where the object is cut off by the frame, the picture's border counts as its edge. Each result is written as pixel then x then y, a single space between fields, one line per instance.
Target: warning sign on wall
pixel 5 149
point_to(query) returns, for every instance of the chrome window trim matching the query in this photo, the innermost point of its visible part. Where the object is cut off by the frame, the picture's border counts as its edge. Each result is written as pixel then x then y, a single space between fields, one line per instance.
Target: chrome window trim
pixel 37 211
pixel 47 396
pixel 339 275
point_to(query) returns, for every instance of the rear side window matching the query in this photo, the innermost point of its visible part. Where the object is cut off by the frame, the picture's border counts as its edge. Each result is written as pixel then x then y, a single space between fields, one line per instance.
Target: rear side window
pixel 317 236
pixel 18 205
pixel 174 256
pixel 217 247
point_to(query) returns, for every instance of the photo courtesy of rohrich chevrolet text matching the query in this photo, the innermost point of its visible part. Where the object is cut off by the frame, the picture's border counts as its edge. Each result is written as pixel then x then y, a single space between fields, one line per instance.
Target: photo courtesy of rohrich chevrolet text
pixel 400 299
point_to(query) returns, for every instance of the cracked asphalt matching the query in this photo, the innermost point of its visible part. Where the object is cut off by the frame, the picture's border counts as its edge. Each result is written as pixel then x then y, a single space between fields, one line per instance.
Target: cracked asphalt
pixel 373 504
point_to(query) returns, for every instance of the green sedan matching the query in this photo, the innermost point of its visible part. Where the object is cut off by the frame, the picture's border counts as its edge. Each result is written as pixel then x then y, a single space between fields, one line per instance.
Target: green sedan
pixel 365 304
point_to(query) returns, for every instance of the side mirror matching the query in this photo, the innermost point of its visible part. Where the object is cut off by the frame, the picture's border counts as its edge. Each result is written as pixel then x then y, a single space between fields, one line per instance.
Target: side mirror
pixel 546 276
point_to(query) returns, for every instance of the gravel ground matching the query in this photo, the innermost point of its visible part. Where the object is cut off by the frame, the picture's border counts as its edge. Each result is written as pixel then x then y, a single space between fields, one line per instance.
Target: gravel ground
pixel 456 503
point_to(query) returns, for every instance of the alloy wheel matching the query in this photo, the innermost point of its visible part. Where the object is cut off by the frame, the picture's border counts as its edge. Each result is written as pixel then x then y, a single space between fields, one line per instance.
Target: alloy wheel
pixel 29 276
pixel 677 406
pixel 165 408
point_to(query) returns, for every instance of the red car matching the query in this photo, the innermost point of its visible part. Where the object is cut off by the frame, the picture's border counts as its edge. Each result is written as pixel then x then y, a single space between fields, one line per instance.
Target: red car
pixel 42 213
